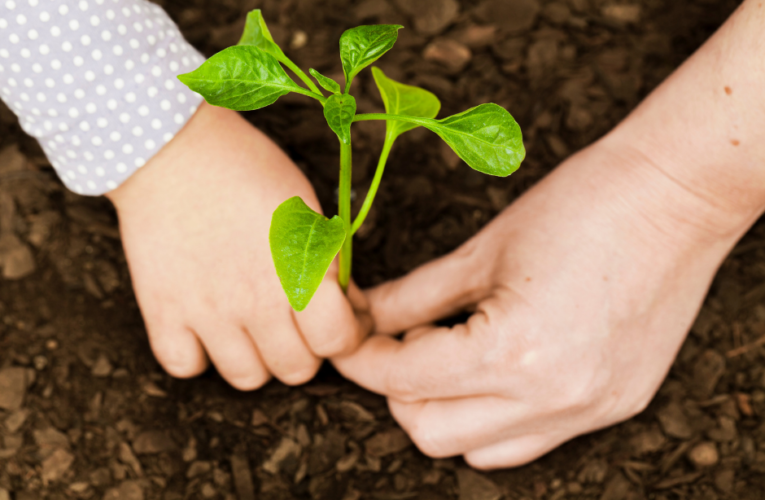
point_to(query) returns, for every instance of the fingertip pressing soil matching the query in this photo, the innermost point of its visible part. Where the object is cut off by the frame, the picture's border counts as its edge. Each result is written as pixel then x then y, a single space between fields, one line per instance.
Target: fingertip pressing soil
pixel 86 412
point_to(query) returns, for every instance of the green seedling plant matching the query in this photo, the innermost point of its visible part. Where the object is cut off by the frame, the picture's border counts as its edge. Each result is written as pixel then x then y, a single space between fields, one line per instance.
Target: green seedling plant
pixel 251 75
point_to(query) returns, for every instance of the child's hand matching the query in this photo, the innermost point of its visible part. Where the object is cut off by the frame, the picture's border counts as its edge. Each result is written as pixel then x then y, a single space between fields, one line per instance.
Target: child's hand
pixel 195 224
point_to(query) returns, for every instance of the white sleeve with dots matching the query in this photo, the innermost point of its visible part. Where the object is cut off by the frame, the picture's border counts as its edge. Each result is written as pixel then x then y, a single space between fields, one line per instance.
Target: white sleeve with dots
pixel 95 82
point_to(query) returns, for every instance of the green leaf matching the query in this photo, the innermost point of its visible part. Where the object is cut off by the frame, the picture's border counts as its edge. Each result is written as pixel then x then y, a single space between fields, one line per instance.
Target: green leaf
pixel 327 83
pixel 363 45
pixel 303 245
pixel 242 78
pixel 400 99
pixel 339 111
pixel 487 137
pixel 257 35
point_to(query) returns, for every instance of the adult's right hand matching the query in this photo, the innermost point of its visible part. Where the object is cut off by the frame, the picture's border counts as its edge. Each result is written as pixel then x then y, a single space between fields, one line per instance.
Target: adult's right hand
pixel 583 289
pixel 581 298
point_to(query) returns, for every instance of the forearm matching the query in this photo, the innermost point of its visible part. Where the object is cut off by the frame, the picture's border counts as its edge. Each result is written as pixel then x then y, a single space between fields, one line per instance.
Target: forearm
pixel 702 129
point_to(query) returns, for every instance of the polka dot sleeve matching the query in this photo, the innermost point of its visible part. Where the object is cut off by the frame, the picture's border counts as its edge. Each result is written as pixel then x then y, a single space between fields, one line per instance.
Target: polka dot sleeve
pixel 95 82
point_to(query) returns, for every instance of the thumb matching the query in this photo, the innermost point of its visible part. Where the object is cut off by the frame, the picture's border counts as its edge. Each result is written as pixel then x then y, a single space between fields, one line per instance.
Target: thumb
pixel 434 291
pixel 334 323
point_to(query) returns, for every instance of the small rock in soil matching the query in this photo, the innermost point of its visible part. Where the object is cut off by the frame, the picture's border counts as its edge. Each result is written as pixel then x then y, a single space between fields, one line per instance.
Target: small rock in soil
pixel 704 455
pixel 648 442
pixel 617 488
pixel 16 258
pixel 327 450
pixel 152 442
pixel 511 16
pixel 593 472
pixel 100 477
pixel 542 58
pixel 474 486
pixel 102 367
pixel 128 458
pixel 240 469
pixel 54 467
pixel 208 491
pixel 707 371
pixel 725 430
pixel 288 451
pixel 16 419
pixel 476 36
pixel 13 388
pixel 430 17
pixel 384 443
pixel 622 13
pixel 724 481
pixel 557 13
pixel 198 468
pixel 449 53
pixel 258 418
pixel 128 490
pixel 189 453
pixel 673 421
pixel 355 412
pixel 50 439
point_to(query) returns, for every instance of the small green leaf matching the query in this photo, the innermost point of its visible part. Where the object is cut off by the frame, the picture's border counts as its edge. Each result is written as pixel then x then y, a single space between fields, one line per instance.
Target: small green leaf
pixel 257 35
pixel 339 112
pixel 303 245
pixel 363 45
pixel 487 137
pixel 242 78
pixel 327 83
pixel 400 99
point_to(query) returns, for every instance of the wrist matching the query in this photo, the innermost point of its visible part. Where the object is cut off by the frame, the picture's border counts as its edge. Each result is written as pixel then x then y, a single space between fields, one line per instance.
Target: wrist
pixel 170 163
pixel 701 128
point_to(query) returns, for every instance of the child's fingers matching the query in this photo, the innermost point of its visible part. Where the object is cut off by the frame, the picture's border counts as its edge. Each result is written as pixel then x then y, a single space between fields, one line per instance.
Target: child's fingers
pixel 329 324
pixel 234 355
pixel 283 350
pixel 178 350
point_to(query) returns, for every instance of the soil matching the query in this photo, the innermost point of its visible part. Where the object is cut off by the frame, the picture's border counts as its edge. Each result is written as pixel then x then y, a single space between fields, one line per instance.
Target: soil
pixel 86 412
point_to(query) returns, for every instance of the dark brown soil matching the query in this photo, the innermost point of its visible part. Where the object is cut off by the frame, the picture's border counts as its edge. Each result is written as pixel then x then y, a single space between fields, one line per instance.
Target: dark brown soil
pixel 99 418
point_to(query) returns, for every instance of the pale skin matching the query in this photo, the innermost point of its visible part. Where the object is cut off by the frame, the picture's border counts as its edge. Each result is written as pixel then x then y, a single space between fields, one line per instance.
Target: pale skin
pixel 583 289
pixel 194 223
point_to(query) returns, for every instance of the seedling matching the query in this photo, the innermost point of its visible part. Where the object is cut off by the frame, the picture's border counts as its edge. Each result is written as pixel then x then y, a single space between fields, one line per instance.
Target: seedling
pixel 251 76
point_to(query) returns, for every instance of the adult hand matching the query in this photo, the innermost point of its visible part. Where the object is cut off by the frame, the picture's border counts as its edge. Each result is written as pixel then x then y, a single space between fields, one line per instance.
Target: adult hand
pixel 583 289
pixel 580 304
pixel 195 224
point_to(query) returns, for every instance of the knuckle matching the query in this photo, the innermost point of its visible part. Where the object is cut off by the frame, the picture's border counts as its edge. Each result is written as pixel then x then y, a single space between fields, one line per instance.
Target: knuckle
pixel 580 392
pixel 399 386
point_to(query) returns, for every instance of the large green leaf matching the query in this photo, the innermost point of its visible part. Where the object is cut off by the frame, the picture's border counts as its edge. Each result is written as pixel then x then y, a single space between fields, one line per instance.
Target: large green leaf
pixel 242 78
pixel 339 112
pixel 400 99
pixel 303 245
pixel 257 35
pixel 487 137
pixel 363 45
pixel 327 83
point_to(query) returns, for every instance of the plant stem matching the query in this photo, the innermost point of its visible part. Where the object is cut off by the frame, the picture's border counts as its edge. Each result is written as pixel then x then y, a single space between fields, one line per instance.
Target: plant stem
pixel 344 210
pixel 299 72
pixel 389 140
pixel 385 116
pixel 320 98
